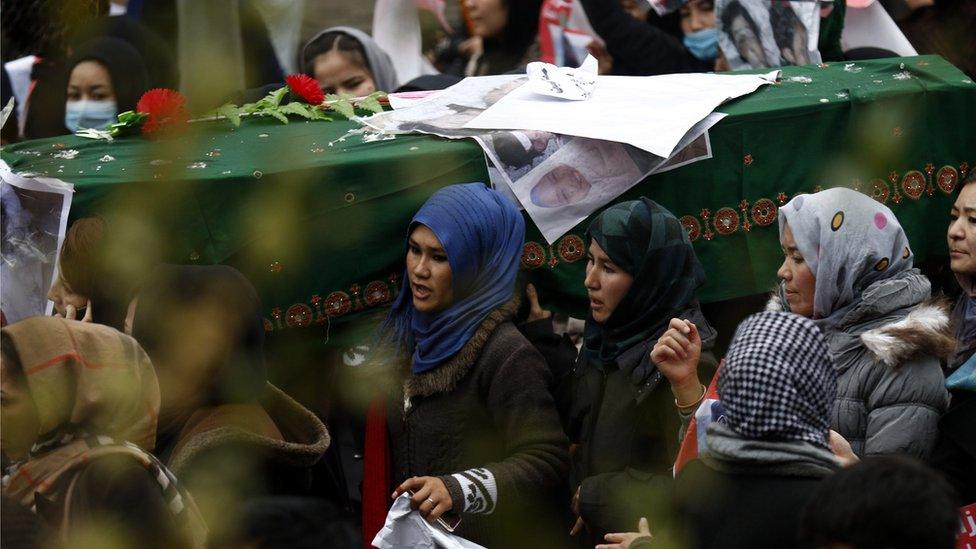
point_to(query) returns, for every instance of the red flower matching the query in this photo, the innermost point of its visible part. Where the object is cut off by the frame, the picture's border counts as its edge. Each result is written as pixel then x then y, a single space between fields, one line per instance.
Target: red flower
pixel 166 109
pixel 303 86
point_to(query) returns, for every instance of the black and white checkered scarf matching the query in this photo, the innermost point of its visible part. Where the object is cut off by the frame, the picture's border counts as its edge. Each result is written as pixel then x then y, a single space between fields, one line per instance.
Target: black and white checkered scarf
pixel 778 382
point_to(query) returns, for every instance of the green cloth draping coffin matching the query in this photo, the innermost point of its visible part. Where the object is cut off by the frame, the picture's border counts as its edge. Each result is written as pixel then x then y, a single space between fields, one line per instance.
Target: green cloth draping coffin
pixel 316 216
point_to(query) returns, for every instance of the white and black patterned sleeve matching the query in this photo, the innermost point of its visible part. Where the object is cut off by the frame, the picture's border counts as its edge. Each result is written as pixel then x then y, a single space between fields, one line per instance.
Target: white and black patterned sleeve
pixel 478 490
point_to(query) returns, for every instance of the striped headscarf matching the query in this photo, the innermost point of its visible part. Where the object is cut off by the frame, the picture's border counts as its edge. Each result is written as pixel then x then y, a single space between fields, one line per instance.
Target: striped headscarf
pixel 96 394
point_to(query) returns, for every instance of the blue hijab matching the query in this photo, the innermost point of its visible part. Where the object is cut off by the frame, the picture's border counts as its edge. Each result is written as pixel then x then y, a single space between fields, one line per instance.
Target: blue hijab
pixel 482 233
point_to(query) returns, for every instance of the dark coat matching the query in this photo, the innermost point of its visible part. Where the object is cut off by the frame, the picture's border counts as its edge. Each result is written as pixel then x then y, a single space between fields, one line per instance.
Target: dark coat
pixel 637 48
pixel 627 425
pixel 887 351
pixel 729 511
pixel 955 449
pixel 488 407
pixel 117 493
pixel 274 441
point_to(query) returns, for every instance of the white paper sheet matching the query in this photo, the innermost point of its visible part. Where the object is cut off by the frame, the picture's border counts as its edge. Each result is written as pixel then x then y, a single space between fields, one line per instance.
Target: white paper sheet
pixel 873 27
pixel 446 112
pixel 405 528
pixel 563 82
pixel 583 175
pixel 35 219
pixel 651 113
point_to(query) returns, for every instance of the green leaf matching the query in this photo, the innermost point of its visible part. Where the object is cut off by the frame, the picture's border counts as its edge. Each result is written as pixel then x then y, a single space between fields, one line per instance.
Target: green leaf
pixel 277 114
pixel 370 103
pixel 301 109
pixel 231 112
pixel 250 108
pixel 129 118
pixel 273 99
pixel 344 107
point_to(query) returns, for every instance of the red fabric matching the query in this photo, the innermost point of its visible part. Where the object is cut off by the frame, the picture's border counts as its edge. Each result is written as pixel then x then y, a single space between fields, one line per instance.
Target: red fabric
pixel 376 471
pixel 967 529
pixel 689 446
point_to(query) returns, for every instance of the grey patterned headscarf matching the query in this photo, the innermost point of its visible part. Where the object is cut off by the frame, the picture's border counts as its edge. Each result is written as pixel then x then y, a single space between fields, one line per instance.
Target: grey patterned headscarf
pixel 849 241
pixel 384 73
pixel 778 382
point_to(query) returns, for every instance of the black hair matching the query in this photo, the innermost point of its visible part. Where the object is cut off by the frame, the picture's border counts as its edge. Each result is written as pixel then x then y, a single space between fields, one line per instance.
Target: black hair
pixel 970 179
pixel 734 9
pixel 125 65
pixel 337 41
pixel 889 502
pixel 522 25
pixel 511 152
pixel 784 22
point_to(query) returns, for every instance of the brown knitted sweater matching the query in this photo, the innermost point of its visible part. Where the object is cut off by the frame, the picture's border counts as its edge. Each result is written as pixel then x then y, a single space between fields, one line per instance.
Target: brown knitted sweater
pixel 486 423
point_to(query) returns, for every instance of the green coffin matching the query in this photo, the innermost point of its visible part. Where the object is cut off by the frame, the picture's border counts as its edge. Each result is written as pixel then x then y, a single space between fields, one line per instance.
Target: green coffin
pixel 316 216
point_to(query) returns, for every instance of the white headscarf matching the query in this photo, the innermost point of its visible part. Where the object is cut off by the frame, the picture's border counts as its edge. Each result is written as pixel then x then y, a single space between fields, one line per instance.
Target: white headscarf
pixel 849 240
pixel 384 73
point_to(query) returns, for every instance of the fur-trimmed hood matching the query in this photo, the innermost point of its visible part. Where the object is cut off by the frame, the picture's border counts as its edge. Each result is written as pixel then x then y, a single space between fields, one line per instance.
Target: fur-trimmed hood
pixel 891 334
pixel 444 378
pixel 279 427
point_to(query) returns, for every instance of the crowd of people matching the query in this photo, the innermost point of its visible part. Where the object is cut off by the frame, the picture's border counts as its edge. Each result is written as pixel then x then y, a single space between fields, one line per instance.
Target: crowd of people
pixel 142 413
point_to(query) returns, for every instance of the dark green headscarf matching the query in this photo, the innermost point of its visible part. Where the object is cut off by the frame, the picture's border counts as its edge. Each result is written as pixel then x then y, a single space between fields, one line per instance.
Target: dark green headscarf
pixel 649 243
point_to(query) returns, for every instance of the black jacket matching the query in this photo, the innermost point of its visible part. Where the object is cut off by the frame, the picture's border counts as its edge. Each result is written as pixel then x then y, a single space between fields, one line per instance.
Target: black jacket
pixel 627 426
pixel 955 450
pixel 488 408
pixel 729 511
pixel 638 48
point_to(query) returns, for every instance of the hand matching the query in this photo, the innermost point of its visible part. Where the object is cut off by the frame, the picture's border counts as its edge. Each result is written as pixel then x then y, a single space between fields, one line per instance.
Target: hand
pixel 575 506
pixel 71 313
pixel 604 61
pixel 430 496
pixel 676 354
pixel 471 47
pixel 536 312
pixel 842 449
pixel 623 540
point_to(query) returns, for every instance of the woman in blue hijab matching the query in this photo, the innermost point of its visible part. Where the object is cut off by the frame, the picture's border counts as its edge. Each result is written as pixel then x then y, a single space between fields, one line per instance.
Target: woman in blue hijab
pixel 474 431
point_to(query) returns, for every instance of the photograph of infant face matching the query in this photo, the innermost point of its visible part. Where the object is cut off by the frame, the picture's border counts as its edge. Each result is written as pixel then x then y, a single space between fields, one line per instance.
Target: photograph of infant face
pixel 561 186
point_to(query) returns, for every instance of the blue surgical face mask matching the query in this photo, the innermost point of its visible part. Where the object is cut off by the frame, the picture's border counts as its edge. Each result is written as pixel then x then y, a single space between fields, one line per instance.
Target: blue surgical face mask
pixel 703 44
pixel 89 114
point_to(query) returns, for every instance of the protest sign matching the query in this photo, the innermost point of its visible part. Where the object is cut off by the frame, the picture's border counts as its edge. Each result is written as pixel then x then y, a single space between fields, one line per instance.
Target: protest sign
pixel 768 33
pixel 35 218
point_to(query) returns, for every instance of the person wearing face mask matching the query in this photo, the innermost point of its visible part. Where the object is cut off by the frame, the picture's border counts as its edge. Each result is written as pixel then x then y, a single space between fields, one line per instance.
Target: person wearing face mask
pixel 955 451
pixel 473 429
pixel 626 403
pixel 848 266
pixel 106 76
pixel 642 49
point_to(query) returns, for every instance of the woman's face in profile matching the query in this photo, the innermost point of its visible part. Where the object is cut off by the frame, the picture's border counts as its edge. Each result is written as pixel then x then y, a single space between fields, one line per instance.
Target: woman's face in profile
pixel 560 186
pixel 488 17
pixel 62 295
